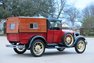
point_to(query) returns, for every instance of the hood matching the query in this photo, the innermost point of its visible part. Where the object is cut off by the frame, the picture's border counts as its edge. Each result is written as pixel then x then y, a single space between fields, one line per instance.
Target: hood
pixel 68 31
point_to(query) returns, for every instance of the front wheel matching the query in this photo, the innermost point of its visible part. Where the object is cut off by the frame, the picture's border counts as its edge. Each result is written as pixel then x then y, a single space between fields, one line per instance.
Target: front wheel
pixel 80 46
pixel 68 40
pixel 37 48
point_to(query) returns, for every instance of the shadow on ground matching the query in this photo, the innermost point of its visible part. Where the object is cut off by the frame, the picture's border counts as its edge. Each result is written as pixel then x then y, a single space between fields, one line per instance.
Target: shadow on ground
pixel 52 53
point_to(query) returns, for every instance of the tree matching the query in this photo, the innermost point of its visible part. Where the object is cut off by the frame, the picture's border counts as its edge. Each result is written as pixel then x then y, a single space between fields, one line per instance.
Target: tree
pixel 88 20
pixel 88 11
pixel 67 11
pixel 3 13
pixel 28 7
pixel 88 16
pixel 72 14
pixel 60 7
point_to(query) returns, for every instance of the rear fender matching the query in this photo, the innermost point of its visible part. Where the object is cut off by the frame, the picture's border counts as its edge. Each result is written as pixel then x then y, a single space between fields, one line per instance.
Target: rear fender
pixel 36 37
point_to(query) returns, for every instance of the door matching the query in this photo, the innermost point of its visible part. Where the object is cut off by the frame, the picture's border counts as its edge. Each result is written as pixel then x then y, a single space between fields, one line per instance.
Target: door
pixel 54 31
pixel 54 36
pixel 50 36
pixel 57 36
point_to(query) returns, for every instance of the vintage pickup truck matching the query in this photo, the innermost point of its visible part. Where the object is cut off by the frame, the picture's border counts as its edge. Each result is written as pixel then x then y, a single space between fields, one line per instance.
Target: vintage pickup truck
pixel 36 34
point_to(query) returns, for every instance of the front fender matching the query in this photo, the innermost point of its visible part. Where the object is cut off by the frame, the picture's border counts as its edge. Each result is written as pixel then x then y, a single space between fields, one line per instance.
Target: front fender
pixel 79 37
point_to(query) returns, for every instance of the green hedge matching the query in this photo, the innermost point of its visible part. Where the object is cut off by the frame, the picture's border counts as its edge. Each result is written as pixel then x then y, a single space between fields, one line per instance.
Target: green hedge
pixel 87 31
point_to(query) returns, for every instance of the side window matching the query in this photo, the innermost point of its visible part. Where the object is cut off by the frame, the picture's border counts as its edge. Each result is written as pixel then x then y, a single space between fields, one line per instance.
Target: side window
pixel 12 26
pixel 31 25
pixel 56 25
pixel 34 25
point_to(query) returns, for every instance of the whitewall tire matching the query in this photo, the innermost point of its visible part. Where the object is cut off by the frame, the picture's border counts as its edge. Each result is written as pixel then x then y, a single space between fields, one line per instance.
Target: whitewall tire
pixel 80 46
pixel 37 48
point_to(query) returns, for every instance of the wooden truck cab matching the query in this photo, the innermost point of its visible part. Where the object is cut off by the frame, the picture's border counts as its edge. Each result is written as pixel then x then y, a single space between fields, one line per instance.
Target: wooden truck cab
pixel 36 34
pixel 21 29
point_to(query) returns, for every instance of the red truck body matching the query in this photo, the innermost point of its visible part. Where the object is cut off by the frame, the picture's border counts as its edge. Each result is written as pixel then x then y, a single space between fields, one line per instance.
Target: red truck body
pixel 23 37
pixel 36 34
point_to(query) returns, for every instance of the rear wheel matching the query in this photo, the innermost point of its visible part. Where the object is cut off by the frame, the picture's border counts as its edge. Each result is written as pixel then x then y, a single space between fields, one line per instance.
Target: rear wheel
pixel 37 48
pixel 20 50
pixel 60 49
pixel 80 46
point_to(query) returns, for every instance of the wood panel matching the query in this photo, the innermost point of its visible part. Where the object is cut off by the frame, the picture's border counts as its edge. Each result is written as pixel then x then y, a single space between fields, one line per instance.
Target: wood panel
pixel 24 25
pixel 12 20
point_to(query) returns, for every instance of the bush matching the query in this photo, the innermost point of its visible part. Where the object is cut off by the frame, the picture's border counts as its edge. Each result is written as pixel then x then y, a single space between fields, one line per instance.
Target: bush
pixel 87 31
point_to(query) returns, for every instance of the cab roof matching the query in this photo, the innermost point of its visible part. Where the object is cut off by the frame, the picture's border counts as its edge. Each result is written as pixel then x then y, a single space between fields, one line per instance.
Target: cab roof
pixel 49 19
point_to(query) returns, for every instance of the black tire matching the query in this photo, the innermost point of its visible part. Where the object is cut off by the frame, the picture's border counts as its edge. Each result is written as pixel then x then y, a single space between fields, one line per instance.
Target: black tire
pixel 20 50
pixel 78 47
pixel 67 42
pixel 37 48
pixel 60 49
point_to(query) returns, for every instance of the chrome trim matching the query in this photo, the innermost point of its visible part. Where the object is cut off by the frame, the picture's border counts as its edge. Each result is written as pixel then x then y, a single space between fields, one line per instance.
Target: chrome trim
pixel 15 46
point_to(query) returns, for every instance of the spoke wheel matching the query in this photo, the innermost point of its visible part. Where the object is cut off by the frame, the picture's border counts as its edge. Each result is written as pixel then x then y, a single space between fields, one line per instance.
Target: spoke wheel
pixel 68 40
pixel 20 50
pixel 80 46
pixel 37 48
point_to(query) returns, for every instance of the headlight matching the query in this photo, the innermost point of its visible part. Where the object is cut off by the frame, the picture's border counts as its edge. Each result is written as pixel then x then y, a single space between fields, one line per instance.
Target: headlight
pixel 77 34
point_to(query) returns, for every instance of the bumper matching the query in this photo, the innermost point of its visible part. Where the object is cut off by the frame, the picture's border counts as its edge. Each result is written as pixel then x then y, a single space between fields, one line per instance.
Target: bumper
pixel 15 46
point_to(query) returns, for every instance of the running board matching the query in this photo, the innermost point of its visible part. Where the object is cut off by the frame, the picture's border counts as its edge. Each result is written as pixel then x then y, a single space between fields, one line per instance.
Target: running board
pixel 54 46
pixel 57 46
